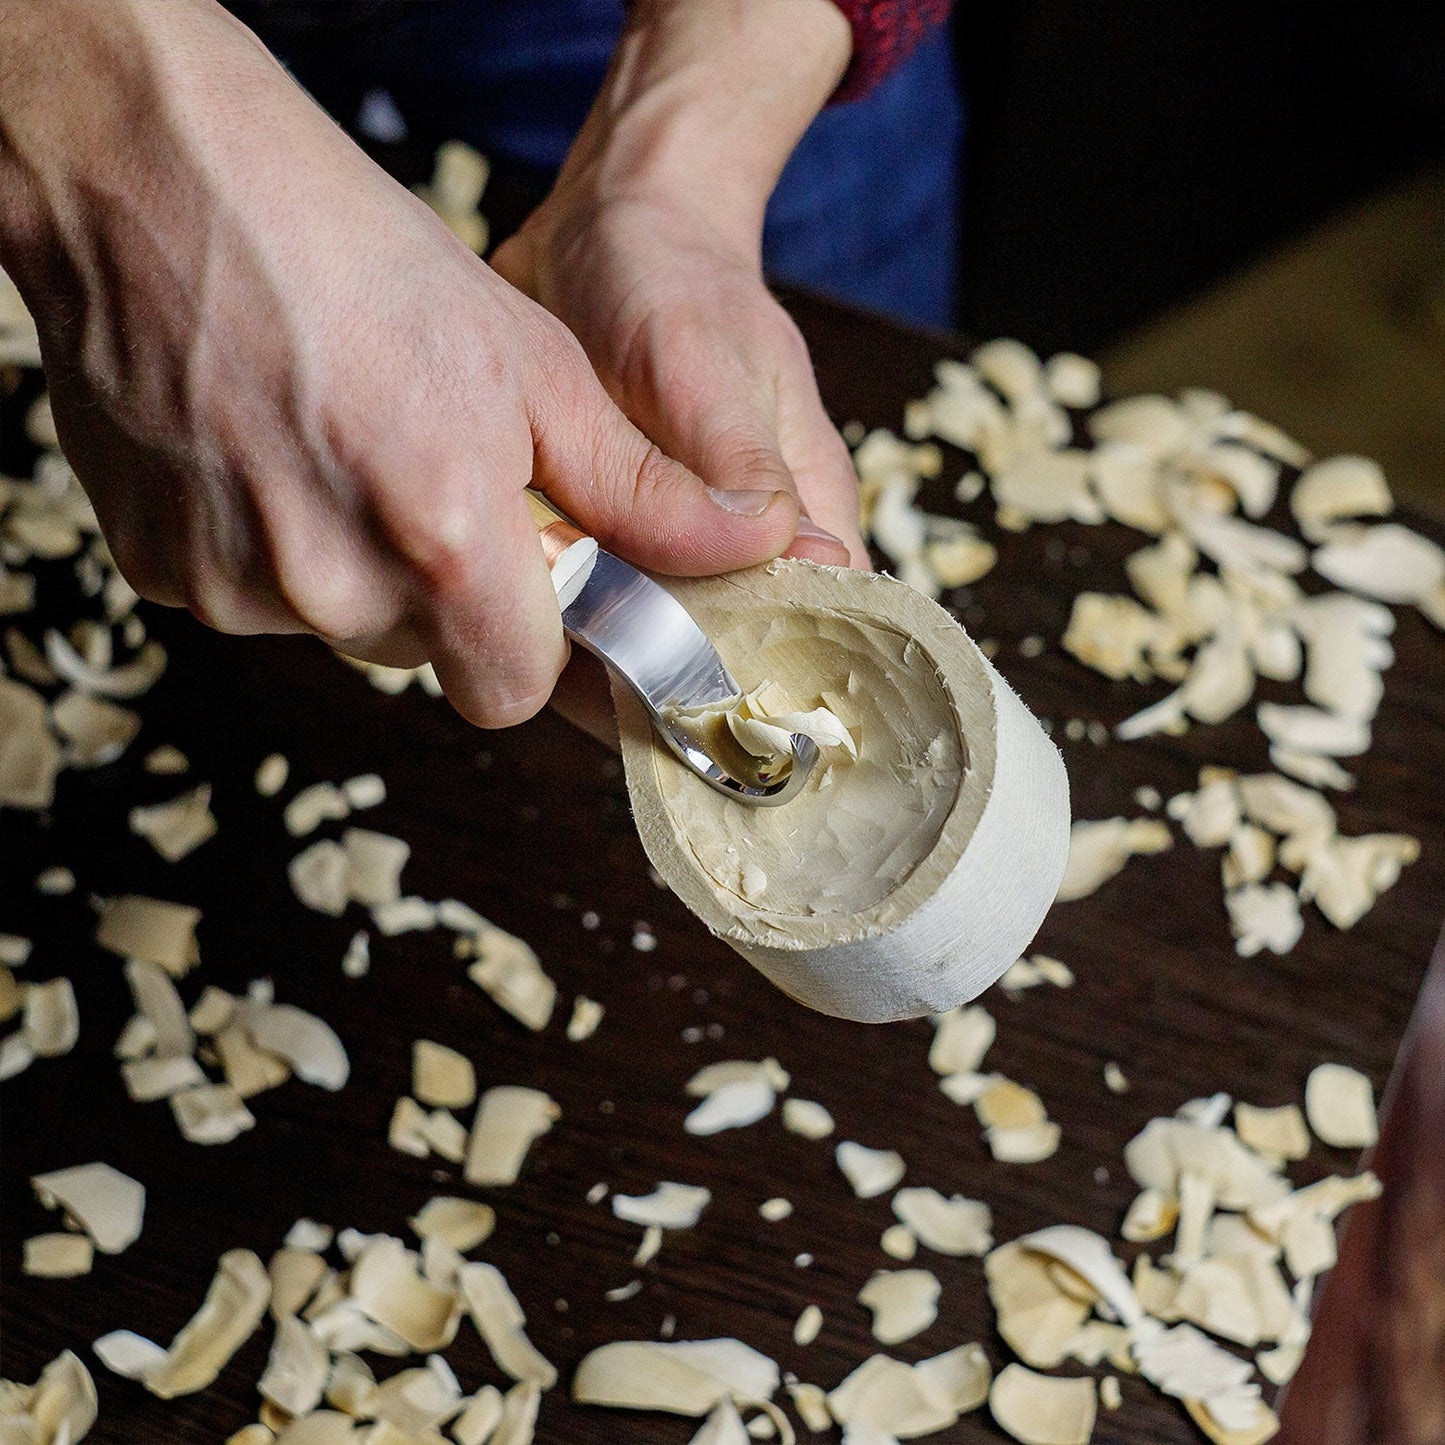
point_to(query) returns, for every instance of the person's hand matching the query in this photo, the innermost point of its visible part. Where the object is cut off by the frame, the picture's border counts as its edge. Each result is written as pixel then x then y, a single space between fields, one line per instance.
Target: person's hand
pixel 295 400
pixel 649 249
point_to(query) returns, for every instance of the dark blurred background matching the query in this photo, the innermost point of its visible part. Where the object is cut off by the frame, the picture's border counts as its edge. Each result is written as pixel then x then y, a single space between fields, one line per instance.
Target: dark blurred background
pixel 1126 154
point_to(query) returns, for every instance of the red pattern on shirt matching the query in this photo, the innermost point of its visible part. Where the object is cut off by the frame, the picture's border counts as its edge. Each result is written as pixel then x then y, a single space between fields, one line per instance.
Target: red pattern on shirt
pixel 885 33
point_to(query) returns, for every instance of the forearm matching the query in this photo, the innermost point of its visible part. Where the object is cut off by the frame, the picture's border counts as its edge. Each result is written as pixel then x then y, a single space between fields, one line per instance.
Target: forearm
pixel 706 99
pixel 93 93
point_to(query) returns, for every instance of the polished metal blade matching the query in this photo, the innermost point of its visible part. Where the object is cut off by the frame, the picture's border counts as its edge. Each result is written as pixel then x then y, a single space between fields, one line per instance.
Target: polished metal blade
pixel 649 639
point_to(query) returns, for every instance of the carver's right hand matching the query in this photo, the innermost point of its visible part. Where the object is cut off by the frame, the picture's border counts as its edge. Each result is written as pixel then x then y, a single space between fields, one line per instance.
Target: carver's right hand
pixel 296 401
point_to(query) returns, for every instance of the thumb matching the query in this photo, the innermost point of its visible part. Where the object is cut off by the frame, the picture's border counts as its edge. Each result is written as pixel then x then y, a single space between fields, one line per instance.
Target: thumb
pixel 649 509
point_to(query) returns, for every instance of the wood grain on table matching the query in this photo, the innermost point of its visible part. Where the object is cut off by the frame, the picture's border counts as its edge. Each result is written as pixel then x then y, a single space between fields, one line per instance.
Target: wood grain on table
pixel 531 827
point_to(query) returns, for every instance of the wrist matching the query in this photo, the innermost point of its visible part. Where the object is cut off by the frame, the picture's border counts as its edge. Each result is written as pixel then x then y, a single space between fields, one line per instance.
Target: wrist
pixel 84 85
pixel 705 101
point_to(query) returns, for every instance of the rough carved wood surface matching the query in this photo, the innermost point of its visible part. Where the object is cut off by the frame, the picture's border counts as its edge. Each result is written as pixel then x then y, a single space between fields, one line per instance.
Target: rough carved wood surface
pixel 532 828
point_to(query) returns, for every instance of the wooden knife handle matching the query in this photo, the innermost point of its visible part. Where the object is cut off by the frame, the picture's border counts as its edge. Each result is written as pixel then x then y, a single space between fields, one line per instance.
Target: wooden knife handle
pixel 570 553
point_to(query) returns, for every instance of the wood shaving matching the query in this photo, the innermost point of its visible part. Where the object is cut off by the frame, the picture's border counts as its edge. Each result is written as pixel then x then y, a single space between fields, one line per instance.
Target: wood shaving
pixel 715 1076
pixel 811 1403
pixel 57 1256
pixel 313 806
pixel 684 1377
pixel 129 679
pixel 1043 1409
pixel 808 1325
pixel 50 1018
pixel 96 732
pixel 356 961
pixel 55 882
pixel 158 1002
pixel 1340 1105
pixel 899 1242
pixel 884 1394
pixel 58 1409
pixel 1336 488
pixel 1279 1133
pixel 308 1044
pixel 295 1273
pixel 249 1070
pixel 954 1226
pixel 499 1320
pixel 387 1287
pixel 1007 1105
pixel 227 1318
pixel 586 1015
pixel 127 1354
pixel 1259 1422
pixel 648 1248
pixel 296 1370
pixel 509 1118
pixel 1151 1215
pixel 482 1415
pixel 212 1011
pixel 446 1135
pixel 320 877
pixel 805 1117
pixel 1025 1143
pixel 1389 563
pixel 669 1206
pixel 211 1114
pixel 366 790
pixel 12 996
pixel 441 1076
pixel 904 1302
pixel 870 1172
pixel 733 1105
pixel 961 1039
pixel 1264 915
pixel 159 1078
pixel 1035 1317
pixel 1099 850
pixel 177 828
pixel 271 775
pixel 166 761
pixel 463 1223
pixel 406 1131
pixel 152 930
pixel 511 974
pixel 723 1426
pixel 108 1205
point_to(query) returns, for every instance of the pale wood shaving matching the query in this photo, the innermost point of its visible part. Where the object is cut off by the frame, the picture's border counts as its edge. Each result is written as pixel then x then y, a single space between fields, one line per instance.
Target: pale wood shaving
pixel 509 1118
pixel 57 1256
pixel 108 1205
pixel 442 1077
pixel 685 1377
pixel 903 1302
pixel 1340 1105
pixel 869 1172
pixel 1043 1409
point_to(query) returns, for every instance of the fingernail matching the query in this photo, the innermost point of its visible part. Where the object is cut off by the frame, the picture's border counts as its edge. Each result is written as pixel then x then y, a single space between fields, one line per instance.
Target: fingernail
pixel 808 528
pixel 743 503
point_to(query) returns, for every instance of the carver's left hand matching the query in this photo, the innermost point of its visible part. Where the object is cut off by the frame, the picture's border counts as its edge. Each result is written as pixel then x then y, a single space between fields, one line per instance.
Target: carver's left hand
pixel 649 249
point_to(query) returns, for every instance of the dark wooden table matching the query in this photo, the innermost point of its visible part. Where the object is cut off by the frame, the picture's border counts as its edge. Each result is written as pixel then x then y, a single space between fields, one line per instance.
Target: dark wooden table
pixel 532 828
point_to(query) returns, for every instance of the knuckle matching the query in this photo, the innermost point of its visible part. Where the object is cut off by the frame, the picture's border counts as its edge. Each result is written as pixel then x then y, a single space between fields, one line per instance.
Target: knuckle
pixel 216 604
pixel 140 567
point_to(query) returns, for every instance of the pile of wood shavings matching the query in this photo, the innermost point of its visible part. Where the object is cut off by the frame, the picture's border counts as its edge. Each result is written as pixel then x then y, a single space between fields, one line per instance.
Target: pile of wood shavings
pixel 1219 602
pixel 1247 1247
